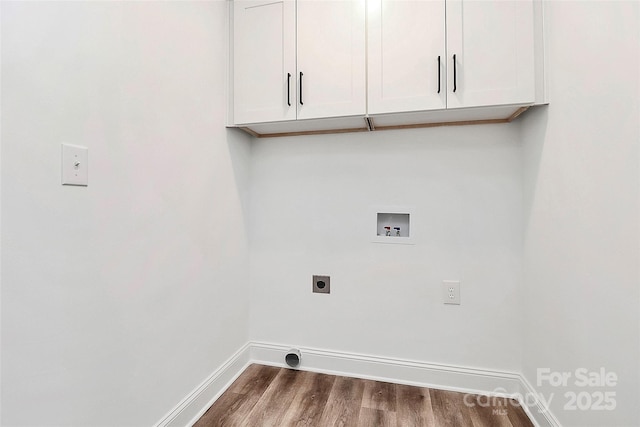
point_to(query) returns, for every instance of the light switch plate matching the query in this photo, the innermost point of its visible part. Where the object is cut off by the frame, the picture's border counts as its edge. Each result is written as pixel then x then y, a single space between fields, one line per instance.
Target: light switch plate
pixel 75 165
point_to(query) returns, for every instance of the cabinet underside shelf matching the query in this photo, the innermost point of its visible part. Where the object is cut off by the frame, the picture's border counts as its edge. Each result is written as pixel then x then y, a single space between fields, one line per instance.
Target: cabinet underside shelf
pixel 388 122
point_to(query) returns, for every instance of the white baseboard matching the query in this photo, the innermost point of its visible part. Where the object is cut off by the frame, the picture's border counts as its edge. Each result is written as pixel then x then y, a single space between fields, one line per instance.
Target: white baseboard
pixel 400 371
pixel 196 403
pixel 536 409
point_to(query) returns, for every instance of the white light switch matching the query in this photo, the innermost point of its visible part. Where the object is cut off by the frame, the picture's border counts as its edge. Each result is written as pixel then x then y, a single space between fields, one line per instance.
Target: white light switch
pixel 75 165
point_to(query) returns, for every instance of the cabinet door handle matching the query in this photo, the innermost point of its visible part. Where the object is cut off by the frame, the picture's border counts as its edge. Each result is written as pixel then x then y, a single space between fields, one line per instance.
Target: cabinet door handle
pixel 301 103
pixel 289 89
pixel 455 73
pixel 438 73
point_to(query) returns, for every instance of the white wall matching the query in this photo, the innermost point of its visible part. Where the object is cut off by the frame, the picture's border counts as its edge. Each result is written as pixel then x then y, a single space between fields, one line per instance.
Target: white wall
pixel 118 299
pixel 310 214
pixel 581 209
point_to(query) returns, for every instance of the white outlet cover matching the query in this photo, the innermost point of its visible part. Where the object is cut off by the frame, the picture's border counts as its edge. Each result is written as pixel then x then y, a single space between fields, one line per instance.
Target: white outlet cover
pixel 451 292
pixel 75 165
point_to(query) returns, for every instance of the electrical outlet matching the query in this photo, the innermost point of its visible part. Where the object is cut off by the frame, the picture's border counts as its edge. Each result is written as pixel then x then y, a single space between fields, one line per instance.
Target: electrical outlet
pixel 451 292
pixel 321 285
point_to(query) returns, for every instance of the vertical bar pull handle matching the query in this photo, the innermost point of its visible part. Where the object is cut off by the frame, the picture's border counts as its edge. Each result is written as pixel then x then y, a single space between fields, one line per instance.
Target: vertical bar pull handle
pixel 301 103
pixel 289 89
pixel 438 73
pixel 455 76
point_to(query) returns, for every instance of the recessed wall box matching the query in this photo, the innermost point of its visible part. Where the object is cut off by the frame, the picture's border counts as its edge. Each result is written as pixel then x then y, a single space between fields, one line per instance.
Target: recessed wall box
pixel 393 224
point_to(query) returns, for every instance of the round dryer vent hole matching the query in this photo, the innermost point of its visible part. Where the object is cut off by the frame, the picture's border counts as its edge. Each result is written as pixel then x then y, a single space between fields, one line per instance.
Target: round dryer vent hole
pixel 292 358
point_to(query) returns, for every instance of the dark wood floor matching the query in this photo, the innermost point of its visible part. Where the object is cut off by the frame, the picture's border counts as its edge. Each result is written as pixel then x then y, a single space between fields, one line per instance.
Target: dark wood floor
pixel 268 396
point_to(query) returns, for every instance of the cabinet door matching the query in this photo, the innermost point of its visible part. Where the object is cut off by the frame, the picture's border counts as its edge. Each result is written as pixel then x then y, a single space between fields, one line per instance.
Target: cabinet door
pixel 492 41
pixel 406 55
pixel 331 58
pixel 263 59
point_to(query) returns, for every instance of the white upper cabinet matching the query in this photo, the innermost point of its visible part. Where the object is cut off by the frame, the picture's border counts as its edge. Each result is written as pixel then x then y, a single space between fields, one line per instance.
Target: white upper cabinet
pixel 412 45
pixel 406 55
pixel 324 77
pixel 493 44
pixel 297 63
pixel 264 62
pixel 331 58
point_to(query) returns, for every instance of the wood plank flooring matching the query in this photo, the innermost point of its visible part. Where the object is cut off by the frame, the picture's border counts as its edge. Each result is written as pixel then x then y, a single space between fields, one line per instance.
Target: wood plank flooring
pixel 267 396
